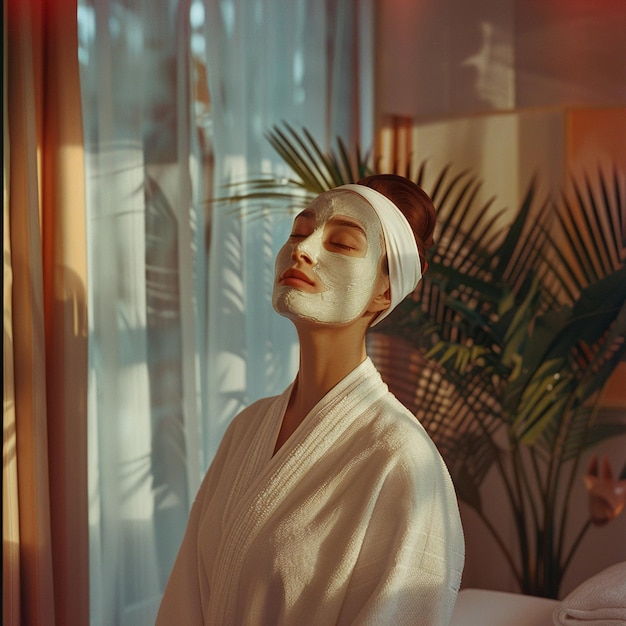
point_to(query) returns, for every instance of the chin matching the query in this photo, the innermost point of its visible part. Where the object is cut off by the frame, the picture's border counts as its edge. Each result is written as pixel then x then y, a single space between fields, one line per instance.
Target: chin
pixel 311 308
pixel 307 318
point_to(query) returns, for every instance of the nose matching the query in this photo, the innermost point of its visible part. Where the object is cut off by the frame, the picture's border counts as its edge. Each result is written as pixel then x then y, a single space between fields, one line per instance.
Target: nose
pixel 303 253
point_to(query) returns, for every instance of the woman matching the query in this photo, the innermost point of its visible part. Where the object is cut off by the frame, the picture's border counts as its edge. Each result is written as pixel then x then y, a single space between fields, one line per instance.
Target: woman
pixel 329 504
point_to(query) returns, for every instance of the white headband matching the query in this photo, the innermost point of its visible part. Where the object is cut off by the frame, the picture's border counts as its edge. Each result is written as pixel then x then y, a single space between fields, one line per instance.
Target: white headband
pixel 405 269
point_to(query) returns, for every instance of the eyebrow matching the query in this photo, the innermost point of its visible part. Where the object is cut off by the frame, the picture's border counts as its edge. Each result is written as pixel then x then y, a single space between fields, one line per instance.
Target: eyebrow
pixel 342 221
pixel 308 214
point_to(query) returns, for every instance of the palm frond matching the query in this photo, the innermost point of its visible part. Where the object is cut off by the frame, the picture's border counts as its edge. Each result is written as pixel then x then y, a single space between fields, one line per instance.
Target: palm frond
pixel 305 160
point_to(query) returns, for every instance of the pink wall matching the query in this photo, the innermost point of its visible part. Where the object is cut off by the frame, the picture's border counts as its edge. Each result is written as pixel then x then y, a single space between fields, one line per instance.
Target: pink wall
pixel 448 57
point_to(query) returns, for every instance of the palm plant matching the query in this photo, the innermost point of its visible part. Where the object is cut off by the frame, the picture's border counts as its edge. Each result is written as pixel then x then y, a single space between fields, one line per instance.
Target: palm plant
pixel 506 345
pixel 531 363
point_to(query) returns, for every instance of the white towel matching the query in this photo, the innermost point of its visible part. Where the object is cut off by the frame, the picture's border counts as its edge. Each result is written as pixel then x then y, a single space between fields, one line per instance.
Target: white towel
pixel 599 601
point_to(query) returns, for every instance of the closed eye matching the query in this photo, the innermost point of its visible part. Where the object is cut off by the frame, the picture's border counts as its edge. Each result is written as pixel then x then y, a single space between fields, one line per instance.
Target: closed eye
pixel 346 241
pixel 345 236
pixel 341 246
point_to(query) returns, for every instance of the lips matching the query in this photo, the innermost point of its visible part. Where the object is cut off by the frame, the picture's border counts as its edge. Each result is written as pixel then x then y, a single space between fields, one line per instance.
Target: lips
pixel 295 277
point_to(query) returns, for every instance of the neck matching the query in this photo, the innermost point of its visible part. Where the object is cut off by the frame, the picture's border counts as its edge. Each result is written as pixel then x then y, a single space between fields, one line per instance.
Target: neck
pixel 327 355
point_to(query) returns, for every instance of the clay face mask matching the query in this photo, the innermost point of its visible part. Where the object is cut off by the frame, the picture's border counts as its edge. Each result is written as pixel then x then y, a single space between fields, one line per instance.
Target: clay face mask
pixel 327 270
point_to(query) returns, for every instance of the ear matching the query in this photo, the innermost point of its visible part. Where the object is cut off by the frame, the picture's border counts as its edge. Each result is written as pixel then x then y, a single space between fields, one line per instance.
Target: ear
pixel 382 298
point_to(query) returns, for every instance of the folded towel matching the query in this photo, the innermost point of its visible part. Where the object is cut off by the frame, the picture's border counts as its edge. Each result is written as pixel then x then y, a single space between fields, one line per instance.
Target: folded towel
pixel 599 601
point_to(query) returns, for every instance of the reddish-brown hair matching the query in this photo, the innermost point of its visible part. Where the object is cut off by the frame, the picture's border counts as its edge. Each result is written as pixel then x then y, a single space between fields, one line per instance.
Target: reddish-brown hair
pixel 413 202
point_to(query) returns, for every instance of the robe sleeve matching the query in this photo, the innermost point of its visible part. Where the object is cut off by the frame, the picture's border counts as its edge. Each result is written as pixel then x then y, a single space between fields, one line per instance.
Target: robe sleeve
pixel 182 601
pixel 410 564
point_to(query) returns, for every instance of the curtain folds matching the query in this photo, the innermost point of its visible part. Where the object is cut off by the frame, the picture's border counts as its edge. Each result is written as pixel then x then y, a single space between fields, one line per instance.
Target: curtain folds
pixel 146 177
pixel 45 353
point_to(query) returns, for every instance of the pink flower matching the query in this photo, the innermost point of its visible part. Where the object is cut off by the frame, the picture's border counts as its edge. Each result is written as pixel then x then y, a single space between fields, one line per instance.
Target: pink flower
pixel 607 496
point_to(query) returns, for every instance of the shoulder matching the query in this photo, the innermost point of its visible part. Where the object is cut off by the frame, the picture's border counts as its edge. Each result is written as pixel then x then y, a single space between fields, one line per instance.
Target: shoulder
pixel 251 416
pixel 242 429
pixel 240 436
pixel 409 475
pixel 401 431
pixel 416 477
pixel 403 450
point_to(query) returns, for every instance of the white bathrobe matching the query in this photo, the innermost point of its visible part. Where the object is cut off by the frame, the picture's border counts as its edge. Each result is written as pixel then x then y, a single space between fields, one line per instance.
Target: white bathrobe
pixel 353 521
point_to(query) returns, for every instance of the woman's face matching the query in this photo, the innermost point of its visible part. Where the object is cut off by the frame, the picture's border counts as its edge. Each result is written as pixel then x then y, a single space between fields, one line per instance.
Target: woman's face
pixel 328 269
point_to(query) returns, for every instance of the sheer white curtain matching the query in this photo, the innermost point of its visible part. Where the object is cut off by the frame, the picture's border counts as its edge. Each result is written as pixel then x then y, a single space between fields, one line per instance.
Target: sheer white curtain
pixel 167 371
pixel 305 63
pixel 146 296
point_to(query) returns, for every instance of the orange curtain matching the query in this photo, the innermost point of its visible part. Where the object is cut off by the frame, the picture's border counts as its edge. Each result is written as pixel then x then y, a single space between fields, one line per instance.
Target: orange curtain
pixel 45 547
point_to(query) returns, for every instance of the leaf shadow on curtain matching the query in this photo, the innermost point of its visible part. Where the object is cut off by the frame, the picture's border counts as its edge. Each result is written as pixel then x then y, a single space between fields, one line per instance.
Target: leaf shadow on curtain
pixel 168 467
